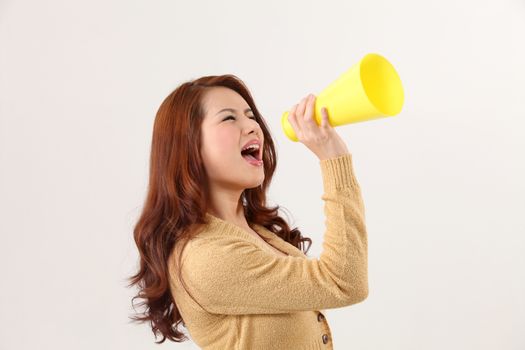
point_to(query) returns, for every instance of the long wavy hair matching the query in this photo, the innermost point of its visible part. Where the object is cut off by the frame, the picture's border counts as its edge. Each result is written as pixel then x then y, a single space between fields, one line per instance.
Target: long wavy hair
pixel 175 203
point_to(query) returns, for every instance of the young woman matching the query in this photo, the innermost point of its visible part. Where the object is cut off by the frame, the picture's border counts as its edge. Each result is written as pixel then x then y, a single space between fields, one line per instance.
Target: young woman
pixel 213 256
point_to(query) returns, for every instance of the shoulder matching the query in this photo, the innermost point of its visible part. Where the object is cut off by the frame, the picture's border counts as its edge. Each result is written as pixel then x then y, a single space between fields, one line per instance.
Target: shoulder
pixel 207 251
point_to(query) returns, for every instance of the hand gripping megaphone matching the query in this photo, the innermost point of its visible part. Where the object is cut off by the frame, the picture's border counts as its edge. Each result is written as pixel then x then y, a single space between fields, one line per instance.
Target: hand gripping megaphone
pixel 368 90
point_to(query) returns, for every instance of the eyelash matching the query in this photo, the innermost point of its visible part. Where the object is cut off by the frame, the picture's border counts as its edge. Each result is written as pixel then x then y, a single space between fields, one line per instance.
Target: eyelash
pixel 231 116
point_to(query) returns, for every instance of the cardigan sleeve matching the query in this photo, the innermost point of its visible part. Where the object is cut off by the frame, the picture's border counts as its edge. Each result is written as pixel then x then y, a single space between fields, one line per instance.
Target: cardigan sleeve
pixel 230 275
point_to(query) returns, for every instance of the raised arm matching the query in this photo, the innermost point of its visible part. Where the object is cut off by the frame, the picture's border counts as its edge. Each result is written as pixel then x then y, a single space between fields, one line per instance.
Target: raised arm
pixel 230 275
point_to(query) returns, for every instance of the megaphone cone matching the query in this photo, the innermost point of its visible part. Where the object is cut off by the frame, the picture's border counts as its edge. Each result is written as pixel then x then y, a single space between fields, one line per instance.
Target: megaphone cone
pixel 369 90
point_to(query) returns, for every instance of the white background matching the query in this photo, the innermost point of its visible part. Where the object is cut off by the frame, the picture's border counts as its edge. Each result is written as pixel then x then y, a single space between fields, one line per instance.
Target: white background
pixel 80 83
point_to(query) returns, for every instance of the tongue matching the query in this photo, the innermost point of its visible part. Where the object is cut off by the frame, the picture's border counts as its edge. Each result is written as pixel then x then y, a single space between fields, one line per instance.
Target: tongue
pixel 249 157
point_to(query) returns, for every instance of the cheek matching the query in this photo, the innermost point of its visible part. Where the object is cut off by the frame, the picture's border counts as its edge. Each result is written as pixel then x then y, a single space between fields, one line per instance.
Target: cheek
pixel 227 140
pixel 223 145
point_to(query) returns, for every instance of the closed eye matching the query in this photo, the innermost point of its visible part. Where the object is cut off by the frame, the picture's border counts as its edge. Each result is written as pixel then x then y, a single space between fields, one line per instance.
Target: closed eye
pixel 231 116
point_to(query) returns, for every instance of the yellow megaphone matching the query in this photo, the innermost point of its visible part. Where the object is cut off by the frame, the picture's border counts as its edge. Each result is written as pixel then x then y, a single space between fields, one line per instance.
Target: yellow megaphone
pixel 369 90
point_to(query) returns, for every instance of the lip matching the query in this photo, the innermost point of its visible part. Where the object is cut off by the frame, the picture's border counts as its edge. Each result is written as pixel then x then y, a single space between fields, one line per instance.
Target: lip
pixel 256 163
pixel 255 142
pixel 252 142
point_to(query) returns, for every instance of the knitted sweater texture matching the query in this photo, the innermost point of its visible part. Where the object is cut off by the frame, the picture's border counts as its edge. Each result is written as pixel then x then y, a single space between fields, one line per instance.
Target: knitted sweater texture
pixel 252 298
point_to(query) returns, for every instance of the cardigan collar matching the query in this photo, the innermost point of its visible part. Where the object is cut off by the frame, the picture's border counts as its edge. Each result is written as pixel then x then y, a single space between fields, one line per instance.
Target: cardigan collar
pixel 227 227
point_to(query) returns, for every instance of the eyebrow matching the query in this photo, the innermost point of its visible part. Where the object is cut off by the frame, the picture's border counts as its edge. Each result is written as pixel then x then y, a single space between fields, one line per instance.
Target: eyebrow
pixel 233 110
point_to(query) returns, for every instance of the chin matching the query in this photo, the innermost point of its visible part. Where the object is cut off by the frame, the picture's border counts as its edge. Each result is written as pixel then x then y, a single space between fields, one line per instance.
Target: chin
pixel 255 185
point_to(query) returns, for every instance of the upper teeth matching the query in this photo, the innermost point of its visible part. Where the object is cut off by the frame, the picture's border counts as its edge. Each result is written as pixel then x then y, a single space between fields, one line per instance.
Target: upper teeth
pixel 254 146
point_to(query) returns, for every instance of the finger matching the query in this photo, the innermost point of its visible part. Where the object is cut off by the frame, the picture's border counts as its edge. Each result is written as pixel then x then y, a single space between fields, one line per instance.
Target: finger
pixel 310 125
pixel 300 109
pixel 292 119
pixel 309 108
pixel 325 123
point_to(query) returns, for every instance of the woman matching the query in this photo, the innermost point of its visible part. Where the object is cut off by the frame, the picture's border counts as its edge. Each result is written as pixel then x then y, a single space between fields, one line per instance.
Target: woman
pixel 213 256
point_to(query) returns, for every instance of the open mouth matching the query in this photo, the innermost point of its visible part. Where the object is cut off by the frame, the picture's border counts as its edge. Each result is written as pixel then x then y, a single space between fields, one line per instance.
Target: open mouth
pixel 251 154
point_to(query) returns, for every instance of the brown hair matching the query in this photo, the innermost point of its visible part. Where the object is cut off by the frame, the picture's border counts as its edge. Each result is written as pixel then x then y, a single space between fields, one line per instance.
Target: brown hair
pixel 176 202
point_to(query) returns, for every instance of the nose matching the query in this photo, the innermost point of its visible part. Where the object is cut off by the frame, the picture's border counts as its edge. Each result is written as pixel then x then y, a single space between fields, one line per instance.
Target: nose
pixel 255 127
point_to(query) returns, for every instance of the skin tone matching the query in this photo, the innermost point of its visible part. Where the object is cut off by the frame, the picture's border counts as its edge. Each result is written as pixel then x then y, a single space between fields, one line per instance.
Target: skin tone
pixel 224 133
